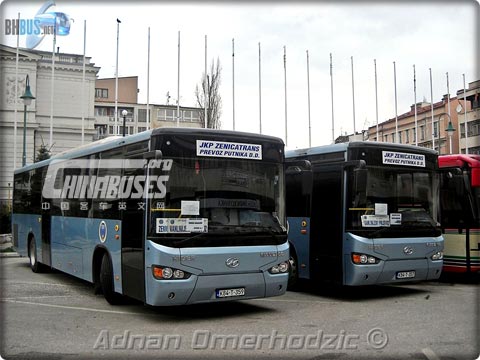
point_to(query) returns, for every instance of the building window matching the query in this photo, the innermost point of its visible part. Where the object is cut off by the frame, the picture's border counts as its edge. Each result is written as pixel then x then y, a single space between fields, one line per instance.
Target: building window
pixel 422 132
pixel 414 133
pixel 101 93
pixel 435 129
pixel 142 115
pixel 101 111
pixel 141 128
pixel 393 137
pixel 473 128
pixel 407 136
pixel 400 137
pixel 385 137
pixel 110 130
pixel 166 115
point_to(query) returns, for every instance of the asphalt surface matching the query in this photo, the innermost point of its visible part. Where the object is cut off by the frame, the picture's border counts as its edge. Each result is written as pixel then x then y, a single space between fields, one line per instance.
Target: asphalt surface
pixel 55 316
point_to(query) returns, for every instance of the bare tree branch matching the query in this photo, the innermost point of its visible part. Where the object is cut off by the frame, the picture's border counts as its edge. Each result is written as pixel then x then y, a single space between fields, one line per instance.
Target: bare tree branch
pixel 211 88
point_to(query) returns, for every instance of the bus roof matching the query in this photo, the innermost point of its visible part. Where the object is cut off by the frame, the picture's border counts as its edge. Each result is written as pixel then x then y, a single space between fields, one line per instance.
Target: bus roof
pixel 112 142
pixel 215 132
pixel 342 147
pixel 459 160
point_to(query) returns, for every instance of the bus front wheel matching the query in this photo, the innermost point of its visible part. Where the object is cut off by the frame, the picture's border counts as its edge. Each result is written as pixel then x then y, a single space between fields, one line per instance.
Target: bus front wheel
pixel 106 281
pixel 32 254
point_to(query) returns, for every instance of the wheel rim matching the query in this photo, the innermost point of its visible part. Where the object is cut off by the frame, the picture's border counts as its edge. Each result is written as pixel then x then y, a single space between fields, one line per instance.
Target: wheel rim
pixel 33 254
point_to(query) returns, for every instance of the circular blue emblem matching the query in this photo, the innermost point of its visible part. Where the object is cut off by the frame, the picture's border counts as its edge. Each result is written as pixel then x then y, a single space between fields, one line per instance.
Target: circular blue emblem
pixel 102 231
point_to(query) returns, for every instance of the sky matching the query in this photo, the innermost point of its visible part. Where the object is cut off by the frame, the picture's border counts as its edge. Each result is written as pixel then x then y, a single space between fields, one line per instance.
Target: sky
pixel 428 34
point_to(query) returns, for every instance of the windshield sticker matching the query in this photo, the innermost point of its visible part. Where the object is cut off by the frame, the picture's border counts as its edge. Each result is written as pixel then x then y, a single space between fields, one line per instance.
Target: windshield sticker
pixel 231 203
pixel 190 207
pixel 381 209
pixel 229 150
pixel 375 221
pixel 395 219
pixel 403 159
pixel 181 226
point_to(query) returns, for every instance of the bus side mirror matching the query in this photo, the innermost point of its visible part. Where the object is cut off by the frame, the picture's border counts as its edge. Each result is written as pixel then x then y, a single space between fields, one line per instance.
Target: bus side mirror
pixel 154 154
pixel 360 181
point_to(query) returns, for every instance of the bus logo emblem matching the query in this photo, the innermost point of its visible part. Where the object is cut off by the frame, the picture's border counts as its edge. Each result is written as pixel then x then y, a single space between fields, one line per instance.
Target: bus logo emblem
pixel 102 231
pixel 408 250
pixel 232 262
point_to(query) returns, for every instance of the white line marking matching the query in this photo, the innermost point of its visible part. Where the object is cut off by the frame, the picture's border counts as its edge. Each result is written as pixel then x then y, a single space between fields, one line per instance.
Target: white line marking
pixel 430 354
pixel 73 307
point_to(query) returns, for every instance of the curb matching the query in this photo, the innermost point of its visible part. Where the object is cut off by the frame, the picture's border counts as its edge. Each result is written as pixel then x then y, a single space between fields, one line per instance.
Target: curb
pixel 9 255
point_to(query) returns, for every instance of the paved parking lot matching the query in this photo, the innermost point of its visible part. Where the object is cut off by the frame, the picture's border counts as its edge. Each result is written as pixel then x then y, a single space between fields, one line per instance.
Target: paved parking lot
pixel 56 316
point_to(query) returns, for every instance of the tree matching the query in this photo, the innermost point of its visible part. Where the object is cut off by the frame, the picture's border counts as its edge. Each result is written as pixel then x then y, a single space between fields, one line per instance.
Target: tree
pixel 43 153
pixel 211 87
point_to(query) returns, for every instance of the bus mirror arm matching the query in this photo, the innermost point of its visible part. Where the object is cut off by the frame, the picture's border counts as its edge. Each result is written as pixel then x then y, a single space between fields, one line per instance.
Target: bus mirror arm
pixel 154 154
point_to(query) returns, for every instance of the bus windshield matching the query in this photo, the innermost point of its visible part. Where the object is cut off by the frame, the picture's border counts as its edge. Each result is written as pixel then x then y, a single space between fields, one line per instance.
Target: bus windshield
pixel 393 203
pixel 218 202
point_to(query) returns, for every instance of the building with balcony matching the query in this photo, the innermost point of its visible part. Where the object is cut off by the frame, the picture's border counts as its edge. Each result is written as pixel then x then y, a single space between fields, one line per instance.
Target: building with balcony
pixel 430 129
pixel 70 105
pixel 470 115
pixel 138 119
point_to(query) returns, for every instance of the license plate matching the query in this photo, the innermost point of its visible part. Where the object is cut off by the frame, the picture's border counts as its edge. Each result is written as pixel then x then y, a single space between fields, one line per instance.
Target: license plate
pixel 405 274
pixel 230 292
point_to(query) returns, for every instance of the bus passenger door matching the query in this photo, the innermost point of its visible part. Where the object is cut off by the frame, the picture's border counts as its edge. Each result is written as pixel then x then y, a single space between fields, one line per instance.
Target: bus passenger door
pixel 46 216
pixel 133 215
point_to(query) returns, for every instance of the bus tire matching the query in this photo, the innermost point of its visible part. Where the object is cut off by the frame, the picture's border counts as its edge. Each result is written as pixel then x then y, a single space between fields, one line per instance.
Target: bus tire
pixel 293 272
pixel 106 281
pixel 32 254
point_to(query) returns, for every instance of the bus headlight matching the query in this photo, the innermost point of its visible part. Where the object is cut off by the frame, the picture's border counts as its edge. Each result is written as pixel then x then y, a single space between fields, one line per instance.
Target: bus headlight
pixel 363 259
pixel 438 255
pixel 279 268
pixel 167 273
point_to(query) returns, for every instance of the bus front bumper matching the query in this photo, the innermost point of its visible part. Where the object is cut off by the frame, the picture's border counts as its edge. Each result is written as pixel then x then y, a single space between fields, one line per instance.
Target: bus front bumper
pixel 391 271
pixel 204 288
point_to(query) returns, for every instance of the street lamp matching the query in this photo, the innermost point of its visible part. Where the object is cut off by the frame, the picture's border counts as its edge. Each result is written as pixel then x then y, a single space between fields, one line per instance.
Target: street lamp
pixel 124 114
pixel 27 98
pixel 449 130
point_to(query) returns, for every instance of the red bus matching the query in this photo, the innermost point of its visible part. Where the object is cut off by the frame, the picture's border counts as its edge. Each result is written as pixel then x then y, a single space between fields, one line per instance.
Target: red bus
pixel 460 212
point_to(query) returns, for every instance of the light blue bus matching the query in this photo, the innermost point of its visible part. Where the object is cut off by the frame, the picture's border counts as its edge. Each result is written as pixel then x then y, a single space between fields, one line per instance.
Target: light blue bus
pixel 363 213
pixel 167 216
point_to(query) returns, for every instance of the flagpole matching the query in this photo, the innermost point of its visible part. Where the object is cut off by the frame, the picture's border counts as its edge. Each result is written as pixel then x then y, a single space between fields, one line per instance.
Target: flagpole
pixel 83 79
pixel 353 99
pixel 260 86
pixel 233 81
pixel 116 132
pixel 396 113
pixel 415 103
pixel 449 115
pixel 53 81
pixel 178 82
pixel 376 97
pixel 148 80
pixel 15 102
pixel 331 93
pixel 308 92
pixel 205 87
pixel 285 77
pixel 431 108
pixel 465 115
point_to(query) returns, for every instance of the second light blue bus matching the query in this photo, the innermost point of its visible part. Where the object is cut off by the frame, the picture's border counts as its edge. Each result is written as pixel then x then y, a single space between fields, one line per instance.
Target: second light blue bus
pixel 363 213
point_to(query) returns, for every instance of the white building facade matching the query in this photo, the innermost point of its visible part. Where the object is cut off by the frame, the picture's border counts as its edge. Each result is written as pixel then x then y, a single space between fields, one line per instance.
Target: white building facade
pixel 70 105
